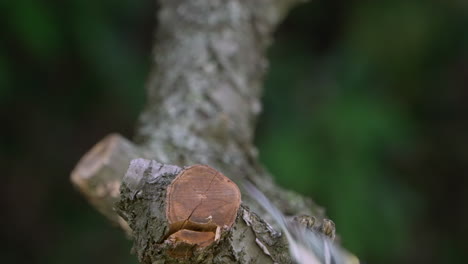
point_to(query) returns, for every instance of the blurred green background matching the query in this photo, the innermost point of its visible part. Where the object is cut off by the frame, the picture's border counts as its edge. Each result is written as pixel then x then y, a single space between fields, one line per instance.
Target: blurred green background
pixel 365 110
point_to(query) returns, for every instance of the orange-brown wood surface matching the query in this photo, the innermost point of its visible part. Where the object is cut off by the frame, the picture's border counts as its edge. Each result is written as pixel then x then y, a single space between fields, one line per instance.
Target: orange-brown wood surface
pixel 184 241
pixel 201 198
pixel 201 239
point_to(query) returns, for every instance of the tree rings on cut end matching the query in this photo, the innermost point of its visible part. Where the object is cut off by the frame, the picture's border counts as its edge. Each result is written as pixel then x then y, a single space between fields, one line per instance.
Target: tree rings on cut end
pixel 200 202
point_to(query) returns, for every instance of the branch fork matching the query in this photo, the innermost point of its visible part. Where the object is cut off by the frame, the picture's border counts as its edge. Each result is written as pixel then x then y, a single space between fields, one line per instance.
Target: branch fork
pixel 203 99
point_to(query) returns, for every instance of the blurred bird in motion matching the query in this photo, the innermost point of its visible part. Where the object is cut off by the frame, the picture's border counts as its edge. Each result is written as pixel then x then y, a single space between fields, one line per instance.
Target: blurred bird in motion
pixel 306 245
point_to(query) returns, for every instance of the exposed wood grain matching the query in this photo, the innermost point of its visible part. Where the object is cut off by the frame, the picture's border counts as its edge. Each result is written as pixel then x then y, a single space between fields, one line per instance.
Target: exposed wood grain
pixel 202 200
pixel 202 195
pixel 184 242
pixel 99 173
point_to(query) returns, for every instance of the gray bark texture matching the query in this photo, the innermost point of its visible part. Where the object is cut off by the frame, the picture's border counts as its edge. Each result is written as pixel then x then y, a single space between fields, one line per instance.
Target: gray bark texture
pixel 205 86
pixel 203 100
pixel 143 205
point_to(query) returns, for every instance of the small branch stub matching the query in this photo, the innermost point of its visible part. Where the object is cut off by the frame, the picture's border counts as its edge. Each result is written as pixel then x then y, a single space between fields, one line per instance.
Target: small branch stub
pixel 98 174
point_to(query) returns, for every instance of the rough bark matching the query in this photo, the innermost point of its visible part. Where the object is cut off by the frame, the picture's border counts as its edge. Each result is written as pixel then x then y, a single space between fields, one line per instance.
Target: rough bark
pixel 205 87
pixel 143 205
pixel 203 100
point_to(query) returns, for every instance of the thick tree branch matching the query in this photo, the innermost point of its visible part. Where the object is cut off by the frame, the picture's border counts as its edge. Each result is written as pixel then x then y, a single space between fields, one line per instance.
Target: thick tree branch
pixel 203 100
pixel 205 87
pixel 208 68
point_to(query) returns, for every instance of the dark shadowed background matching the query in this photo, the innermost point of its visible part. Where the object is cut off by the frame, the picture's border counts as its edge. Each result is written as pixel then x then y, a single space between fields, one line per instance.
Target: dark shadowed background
pixel 365 110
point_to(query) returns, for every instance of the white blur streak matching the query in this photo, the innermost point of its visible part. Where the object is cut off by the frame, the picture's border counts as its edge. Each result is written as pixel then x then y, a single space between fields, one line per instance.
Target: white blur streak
pixel 306 246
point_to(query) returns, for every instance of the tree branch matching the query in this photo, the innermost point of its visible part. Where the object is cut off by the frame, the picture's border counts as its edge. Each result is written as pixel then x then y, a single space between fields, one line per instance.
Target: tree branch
pixel 203 100
pixel 205 87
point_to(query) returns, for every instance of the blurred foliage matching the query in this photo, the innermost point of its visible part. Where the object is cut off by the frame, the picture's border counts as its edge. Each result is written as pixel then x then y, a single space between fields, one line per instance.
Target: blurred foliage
pixel 364 110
